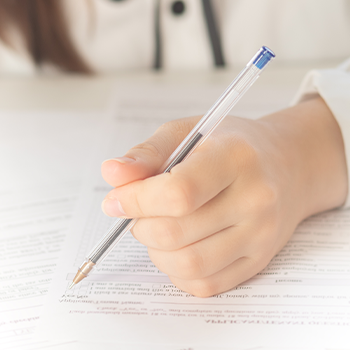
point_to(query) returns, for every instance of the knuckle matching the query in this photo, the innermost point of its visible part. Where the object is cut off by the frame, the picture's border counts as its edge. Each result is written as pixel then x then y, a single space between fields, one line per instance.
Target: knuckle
pixel 177 125
pixel 136 231
pixel 156 259
pixel 149 148
pixel 136 201
pixel 179 195
pixel 268 194
pixel 263 198
pixel 141 231
pixel 167 234
pixel 190 264
pixel 246 155
pixel 265 238
pixel 203 288
pixel 266 197
pixel 176 129
pixel 259 262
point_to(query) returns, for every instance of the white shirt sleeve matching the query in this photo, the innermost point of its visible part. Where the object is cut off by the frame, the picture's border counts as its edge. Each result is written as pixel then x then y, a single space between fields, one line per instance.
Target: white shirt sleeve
pixel 333 85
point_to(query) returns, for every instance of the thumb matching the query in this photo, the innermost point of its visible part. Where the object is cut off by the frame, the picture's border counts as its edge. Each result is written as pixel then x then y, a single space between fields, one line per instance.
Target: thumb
pixel 146 159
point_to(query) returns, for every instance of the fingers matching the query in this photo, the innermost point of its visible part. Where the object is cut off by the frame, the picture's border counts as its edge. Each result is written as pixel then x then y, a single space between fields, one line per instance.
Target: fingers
pixel 224 280
pixel 147 158
pixel 205 257
pixel 168 233
pixel 188 186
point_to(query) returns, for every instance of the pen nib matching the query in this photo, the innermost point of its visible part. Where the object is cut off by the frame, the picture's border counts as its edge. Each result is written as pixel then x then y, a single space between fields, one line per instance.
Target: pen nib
pixel 71 285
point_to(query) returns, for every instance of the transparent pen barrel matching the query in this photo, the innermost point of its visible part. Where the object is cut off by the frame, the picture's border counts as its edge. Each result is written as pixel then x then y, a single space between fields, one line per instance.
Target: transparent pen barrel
pixel 214 116
pixel 201 131
pixel 116 232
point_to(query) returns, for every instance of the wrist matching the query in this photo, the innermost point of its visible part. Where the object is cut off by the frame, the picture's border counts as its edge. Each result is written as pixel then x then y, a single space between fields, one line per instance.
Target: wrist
pixel 310 143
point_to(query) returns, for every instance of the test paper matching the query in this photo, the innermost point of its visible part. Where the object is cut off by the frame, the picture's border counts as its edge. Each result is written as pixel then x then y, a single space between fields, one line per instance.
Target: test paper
pixel 301 299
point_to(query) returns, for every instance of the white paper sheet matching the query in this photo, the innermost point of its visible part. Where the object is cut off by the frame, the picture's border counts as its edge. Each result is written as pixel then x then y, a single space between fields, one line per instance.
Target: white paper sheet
pixel 43 156
pixel 33 226
pixel 302 299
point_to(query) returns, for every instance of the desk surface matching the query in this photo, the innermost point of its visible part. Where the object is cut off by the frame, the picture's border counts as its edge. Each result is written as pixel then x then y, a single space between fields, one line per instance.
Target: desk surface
pixel 83 93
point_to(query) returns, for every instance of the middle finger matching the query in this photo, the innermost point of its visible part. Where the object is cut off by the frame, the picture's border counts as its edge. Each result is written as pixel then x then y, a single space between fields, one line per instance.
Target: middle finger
pixel 169 233
pixel 187 187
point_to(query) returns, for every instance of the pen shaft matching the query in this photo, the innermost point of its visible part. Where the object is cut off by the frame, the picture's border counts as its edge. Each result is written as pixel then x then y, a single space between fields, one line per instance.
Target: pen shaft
pixel 111 238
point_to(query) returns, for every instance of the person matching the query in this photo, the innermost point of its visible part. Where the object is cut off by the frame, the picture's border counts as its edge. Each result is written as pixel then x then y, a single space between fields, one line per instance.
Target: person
pixel 217 219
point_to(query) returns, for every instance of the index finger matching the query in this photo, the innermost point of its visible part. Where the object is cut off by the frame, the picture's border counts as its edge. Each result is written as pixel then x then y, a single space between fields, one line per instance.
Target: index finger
pixel 147 158
pixel 188 186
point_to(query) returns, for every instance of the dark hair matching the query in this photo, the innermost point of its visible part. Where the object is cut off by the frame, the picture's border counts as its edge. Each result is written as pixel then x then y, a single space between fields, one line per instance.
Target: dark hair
pixel 43 26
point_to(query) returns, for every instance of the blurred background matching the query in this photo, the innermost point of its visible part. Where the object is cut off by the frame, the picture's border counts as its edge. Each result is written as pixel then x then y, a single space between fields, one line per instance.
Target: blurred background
pixel 65 64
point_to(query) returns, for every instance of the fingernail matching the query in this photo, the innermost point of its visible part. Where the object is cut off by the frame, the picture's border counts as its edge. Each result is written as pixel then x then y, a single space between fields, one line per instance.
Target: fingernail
pixel 122 160
pixel 112 207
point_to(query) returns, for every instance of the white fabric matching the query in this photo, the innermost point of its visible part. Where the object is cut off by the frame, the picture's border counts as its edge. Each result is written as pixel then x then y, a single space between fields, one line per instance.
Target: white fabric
pixel 123 36
pixel 333 85
pixel 114 35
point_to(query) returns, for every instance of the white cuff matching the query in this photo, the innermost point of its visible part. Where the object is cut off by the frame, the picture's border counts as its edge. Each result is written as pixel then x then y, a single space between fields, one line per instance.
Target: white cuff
pixel 333 85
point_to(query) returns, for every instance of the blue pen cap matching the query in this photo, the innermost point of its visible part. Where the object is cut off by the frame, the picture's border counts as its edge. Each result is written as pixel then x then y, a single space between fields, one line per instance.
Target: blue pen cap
pixel 263 57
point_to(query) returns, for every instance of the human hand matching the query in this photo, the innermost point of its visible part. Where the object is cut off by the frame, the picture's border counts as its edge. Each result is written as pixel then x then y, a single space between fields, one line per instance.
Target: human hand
pixel 218 218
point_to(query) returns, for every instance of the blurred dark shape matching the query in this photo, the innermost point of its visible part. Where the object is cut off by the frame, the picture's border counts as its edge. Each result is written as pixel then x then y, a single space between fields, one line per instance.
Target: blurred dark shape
pixel 44 28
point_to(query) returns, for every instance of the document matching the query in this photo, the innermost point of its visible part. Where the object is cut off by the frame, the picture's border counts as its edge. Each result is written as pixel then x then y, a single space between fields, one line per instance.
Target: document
pixel 129 302
pixel 43 156
pixel 33 226
pixel 300 300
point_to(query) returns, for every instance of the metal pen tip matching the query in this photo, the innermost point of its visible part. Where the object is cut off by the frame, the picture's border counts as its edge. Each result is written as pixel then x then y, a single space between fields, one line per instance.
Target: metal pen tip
pixel 71 285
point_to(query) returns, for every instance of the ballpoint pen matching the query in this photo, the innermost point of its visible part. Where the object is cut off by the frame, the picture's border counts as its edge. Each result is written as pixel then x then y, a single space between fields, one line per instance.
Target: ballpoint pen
pixel 195 138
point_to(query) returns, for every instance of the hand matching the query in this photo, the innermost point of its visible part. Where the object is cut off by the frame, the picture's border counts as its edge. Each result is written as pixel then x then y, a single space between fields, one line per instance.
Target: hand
pixel 218 218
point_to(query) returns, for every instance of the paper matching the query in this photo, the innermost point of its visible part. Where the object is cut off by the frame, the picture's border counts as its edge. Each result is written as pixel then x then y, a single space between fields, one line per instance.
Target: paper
pixel 43 156
pixel 33 226
pixel 302 299
pixel 48 150
pixel 45 148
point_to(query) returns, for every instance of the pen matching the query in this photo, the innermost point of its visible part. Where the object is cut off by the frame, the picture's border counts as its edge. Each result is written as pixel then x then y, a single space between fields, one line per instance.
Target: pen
pixel 195 138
